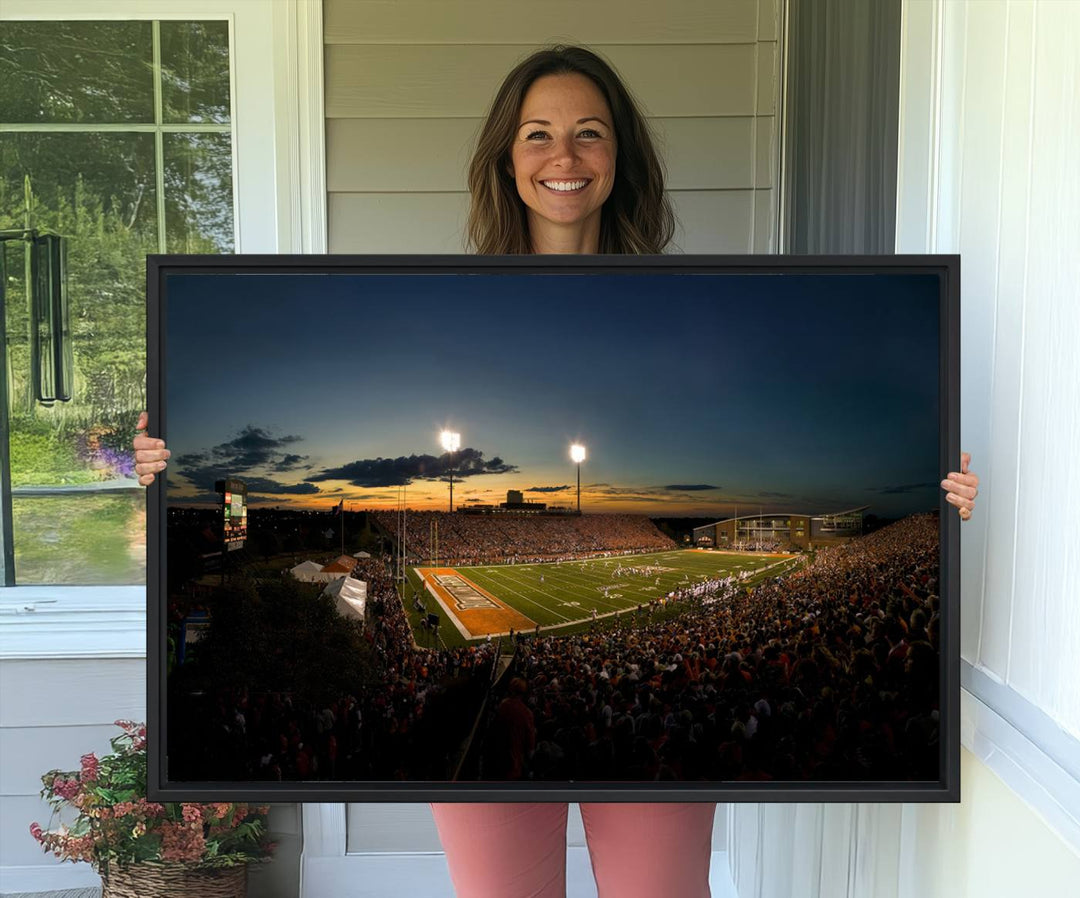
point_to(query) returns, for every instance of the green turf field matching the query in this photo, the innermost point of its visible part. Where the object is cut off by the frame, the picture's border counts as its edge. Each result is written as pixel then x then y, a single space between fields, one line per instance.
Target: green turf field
pixel 562 596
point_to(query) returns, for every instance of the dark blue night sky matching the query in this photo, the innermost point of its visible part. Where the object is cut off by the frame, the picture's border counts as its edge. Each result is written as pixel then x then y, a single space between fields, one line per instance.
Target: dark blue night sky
pixel 692 393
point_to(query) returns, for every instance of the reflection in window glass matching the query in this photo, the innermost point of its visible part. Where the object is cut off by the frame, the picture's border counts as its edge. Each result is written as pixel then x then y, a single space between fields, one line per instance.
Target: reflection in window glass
pixel 84 540
pixel 97 190
pixel 198 193
pixel 195 71
pixel 79 516
pixel 64 72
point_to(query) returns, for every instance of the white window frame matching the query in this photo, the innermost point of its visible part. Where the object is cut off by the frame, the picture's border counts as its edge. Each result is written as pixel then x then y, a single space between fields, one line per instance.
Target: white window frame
pixel 279 197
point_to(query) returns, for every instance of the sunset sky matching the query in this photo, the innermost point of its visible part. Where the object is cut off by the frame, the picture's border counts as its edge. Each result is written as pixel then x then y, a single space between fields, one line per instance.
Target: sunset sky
pixel 692 393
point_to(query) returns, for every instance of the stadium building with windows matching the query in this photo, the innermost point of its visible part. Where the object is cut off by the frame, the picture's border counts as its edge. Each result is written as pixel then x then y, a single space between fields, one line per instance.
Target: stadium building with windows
pixel 773 530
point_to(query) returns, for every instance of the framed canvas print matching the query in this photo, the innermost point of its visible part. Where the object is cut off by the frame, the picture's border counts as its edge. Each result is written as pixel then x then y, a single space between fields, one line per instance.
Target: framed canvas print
pixel 462 528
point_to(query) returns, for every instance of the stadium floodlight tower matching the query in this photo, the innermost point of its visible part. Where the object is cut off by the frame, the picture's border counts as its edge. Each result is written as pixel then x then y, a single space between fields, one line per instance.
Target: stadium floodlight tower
pixel 577 455
pixel 451 442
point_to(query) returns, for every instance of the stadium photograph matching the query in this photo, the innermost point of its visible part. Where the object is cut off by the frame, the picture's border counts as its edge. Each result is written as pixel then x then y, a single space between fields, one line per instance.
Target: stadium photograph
pixel 571 528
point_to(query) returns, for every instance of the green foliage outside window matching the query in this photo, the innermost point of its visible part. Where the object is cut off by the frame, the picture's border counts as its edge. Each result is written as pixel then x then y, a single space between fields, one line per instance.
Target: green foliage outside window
pixel 99 186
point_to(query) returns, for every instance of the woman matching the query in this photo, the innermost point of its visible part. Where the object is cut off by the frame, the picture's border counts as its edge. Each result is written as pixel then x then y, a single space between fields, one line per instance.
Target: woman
pixel 565 164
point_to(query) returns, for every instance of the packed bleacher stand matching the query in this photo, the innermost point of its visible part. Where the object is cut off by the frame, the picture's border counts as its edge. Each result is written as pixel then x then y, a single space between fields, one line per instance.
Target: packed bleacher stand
pixel 829 673
pixel 521 538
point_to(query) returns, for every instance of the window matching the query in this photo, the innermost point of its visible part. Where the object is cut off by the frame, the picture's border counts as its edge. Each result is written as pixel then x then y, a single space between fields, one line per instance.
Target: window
pixel 116 135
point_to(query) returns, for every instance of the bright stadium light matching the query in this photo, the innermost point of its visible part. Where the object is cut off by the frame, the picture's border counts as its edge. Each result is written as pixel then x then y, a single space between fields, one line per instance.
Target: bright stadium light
pixel 451 442
pixel 577 455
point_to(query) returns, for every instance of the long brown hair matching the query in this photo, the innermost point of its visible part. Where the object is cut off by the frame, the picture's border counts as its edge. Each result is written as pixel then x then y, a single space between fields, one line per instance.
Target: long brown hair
pixel 637 216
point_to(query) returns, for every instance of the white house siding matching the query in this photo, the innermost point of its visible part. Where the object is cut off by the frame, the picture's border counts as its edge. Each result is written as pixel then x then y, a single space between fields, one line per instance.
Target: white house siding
pixel 407 85
pixel 53 711
pixel 408 82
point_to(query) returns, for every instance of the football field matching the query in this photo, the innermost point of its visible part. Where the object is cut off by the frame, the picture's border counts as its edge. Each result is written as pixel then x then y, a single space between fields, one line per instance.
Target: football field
pixel 476 601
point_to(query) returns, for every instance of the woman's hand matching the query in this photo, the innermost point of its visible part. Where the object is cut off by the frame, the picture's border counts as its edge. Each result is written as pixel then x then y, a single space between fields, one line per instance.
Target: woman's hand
pixel 150 453
pixel 961 487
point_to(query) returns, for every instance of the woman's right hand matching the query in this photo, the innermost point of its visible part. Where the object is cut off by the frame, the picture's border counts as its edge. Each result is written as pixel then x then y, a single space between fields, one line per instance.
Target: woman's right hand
pixel 150 453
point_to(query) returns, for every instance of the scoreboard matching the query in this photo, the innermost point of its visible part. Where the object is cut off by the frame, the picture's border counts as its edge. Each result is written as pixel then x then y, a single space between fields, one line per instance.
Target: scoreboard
pixel 234 511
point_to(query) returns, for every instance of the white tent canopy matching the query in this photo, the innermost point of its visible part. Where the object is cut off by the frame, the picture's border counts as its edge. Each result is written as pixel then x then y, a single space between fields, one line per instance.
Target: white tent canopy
pixel 307 571
pixel 349 595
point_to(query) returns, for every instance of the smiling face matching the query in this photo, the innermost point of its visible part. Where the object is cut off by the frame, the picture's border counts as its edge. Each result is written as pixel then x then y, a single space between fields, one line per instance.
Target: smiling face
pixel 563 162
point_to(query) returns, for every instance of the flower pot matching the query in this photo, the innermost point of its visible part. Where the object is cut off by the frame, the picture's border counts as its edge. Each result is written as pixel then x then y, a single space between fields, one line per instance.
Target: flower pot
pixel 174 881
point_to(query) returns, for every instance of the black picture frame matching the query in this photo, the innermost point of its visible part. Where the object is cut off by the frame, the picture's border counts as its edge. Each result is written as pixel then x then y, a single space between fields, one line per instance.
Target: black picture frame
pixel 947 789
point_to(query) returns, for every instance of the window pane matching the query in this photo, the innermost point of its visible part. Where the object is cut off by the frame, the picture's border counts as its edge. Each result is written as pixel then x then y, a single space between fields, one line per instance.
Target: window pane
pixel 198 193
pixel 83 540
pixel 76 72
pixel 76 518
pixel 195 72
pixel 97 190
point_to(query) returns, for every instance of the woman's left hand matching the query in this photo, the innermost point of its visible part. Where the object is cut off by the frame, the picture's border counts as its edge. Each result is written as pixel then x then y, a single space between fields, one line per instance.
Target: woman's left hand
pixel 961 487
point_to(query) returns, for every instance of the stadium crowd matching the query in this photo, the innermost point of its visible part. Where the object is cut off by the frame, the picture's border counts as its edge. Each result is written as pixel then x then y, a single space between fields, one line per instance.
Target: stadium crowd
pixel 521 538
pixel 828 673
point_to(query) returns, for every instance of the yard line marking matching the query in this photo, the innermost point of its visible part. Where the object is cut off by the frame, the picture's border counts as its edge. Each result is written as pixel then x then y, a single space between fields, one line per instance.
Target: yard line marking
pixel 535 588
pixel 578 590
pixel 537 604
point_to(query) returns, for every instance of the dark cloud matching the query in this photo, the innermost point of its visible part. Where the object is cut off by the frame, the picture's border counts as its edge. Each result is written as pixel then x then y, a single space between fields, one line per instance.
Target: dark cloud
pixel 252 449
pixel 205 479
pixel 547 489
pixel 266 485
pixel 290 462
pixel 690 487
pixel 632 494
pixel 403 470
pixel 904 488
pixel 248 456
pixel 647 493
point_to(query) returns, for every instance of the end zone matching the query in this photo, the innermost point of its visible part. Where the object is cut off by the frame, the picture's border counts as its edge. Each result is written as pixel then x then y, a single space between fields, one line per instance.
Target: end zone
pixel 473 610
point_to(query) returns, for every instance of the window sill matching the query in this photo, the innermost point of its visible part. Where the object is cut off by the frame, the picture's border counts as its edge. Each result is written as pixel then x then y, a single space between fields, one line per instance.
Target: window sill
pixel 1039 762
pixel 39 622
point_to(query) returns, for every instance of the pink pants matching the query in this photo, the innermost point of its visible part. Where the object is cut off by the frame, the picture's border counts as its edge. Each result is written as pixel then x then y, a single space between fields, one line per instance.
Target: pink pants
pixel 519 850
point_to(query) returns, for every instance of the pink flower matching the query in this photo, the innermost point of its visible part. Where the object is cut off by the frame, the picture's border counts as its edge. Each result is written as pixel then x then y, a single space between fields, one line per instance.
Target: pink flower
pixel 89 768
pixel 66 789
pixel 181 842
pixel 150 808
pixel 36 832
pixel 192 813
